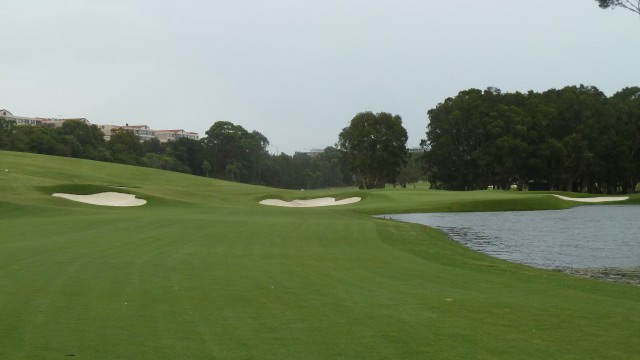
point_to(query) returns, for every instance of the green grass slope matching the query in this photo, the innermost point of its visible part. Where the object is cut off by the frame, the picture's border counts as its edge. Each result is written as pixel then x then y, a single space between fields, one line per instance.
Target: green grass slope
pixel 205 272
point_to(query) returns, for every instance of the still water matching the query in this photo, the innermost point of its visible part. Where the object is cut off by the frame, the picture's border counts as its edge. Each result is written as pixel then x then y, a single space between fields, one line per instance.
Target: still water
pixel 580 237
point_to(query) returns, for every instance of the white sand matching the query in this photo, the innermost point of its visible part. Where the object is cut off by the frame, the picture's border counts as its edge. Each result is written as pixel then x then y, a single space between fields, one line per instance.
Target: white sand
pixel 105 199
pixel 328 201
pixel 593 199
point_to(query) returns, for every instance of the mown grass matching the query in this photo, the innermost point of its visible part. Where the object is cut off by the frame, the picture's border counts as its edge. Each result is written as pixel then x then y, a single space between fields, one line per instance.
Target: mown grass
pixel 204 272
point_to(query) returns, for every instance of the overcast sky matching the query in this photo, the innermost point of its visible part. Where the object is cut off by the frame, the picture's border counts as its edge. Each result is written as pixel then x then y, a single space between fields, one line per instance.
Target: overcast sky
pixel 298 70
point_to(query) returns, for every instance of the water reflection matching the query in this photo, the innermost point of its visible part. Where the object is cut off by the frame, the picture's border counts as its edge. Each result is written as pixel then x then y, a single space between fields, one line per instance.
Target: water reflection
pixel 584 236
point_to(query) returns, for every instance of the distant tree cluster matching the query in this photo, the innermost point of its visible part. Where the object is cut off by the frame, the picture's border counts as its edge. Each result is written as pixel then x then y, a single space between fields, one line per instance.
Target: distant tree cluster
pixel 73 139
pixel 231 152
pixel 227 152
pixel 573 139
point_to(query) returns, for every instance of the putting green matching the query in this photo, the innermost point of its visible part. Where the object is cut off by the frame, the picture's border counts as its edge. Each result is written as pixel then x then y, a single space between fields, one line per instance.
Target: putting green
pixel 202 271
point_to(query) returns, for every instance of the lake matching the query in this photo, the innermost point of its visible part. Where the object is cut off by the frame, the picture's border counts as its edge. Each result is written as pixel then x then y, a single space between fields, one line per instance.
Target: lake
pixel 580 237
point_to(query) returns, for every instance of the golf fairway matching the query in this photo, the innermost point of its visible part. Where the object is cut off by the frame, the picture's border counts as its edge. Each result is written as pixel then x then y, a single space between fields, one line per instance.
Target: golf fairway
pixel 203 271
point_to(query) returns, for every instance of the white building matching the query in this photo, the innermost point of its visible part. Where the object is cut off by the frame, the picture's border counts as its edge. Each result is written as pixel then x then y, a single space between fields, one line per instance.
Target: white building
pixel 36 121
pixel 144 132
pixel 58 122
pixel 21 120
pixel 312 152
pixel 166 135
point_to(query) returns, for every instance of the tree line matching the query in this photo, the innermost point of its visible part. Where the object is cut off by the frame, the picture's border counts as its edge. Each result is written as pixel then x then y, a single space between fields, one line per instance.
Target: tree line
pixel 228 151
pixel 572 139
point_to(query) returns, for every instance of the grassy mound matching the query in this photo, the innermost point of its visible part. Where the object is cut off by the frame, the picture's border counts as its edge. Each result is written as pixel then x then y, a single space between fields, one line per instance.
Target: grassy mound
pixel 206 272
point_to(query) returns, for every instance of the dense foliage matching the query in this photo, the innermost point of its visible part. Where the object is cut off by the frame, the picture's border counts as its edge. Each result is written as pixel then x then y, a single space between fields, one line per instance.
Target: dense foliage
pixel 573 139
pixel 227 152
pixel 374 147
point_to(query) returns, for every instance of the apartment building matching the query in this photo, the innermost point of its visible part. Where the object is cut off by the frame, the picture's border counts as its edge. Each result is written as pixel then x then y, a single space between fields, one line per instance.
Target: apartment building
pixel 166 135
pixel 144 132
pixel 36 121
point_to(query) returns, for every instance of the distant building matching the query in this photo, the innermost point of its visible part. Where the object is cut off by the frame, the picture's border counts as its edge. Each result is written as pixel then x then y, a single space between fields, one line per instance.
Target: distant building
pixel 20 120
pixel 312 152
pixel 26 121
pixel 166 135
pixel 144 132
pixel 107 130
pixel 36 121
pixel 55 123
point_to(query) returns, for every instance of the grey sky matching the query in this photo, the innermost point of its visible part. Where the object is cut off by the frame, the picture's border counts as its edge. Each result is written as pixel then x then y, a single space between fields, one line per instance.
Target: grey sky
pixel 298 71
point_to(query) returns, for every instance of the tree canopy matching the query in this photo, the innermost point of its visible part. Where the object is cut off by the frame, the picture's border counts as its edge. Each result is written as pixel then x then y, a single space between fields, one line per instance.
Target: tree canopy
pixel 573 139
pixel 125 146
pixel 235 153
pixel 373 146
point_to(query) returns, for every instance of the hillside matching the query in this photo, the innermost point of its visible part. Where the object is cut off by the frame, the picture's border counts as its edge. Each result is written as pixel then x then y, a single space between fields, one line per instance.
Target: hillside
pixel 202 271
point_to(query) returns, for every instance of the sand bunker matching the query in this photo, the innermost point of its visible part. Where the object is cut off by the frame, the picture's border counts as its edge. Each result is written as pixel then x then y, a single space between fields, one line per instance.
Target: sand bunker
pixel 328 201
pixel 594 199
pixel 105 199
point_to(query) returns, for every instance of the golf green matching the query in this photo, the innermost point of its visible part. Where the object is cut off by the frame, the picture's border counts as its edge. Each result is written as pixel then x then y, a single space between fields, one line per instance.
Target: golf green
pixel 203 271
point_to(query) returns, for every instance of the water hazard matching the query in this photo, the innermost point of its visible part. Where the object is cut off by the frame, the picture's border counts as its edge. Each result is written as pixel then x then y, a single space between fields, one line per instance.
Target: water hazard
pixel 580 237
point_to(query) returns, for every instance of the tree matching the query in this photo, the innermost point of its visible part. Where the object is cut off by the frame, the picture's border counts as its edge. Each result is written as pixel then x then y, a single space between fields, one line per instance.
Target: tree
pixel 125 146
pixel 189 152
pixel 235 153
pixel 410 172
pixel 626 4
pixel 233 171
pixel 332 170
pixel 206 167
pixel 626 107
pixel 458 132
pixel 84 140
pixel 374 148
pixel 224 142
pixel 311 179
pixel 164 162
pixel 571 139
pixel 6 133
pixel 255 145
pixel 39 140
pixel 153 146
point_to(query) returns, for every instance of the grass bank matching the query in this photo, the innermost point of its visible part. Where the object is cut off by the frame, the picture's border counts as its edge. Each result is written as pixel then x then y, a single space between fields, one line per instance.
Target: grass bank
pixel 203 272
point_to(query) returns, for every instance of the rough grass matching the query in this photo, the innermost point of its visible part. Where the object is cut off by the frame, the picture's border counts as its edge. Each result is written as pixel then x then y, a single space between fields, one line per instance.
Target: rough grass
pixel 204 272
